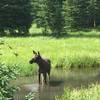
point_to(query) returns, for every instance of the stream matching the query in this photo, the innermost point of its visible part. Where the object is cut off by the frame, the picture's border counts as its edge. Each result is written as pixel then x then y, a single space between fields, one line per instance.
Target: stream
pixel 60 79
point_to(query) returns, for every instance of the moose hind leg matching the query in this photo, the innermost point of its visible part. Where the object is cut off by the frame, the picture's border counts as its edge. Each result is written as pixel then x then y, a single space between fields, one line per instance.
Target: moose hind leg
pixel 49 75
pixel 45 77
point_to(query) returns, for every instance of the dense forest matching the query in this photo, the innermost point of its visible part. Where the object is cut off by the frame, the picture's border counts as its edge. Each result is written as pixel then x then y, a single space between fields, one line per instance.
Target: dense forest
pixel 54 16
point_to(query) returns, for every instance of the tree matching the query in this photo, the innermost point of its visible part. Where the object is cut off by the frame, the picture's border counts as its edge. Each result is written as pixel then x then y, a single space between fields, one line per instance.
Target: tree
pixel 82 14
pixel 49 15
pixel 94 13
pixel 55 17
pixel 15 16
pixel 40 7
pixel 79 13
pixel 68 14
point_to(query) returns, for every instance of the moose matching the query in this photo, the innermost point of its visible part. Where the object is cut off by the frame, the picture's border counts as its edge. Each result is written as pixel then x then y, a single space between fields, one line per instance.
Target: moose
pixel 44 66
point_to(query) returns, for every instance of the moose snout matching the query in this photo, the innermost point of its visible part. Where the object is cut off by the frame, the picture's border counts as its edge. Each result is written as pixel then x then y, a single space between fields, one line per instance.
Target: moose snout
pixel 31 61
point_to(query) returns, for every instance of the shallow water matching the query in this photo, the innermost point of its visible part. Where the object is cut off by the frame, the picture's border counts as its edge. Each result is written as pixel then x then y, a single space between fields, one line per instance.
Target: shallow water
pixel 59 80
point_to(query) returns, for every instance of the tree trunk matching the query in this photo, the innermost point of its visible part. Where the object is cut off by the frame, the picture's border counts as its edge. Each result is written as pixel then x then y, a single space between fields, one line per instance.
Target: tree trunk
pixel 94 23
pixel 2 32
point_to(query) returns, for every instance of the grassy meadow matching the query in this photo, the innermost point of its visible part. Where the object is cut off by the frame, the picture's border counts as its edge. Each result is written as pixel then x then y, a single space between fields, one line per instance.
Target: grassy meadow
pixel 78 50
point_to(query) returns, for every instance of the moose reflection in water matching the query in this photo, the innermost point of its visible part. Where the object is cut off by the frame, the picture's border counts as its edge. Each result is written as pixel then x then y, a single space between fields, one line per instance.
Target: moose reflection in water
pixel 44 66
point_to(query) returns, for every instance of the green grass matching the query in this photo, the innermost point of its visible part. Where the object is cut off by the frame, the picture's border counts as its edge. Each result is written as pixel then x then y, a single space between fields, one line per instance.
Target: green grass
pixel 91 93
pixel 76 51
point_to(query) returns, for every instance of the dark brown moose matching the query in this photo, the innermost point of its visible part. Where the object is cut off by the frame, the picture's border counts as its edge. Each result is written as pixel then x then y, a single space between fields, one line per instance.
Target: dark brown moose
pixel 44 66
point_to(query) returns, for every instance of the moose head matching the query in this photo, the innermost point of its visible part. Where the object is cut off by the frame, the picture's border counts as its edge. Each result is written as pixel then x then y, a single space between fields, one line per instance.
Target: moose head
pixel 36 58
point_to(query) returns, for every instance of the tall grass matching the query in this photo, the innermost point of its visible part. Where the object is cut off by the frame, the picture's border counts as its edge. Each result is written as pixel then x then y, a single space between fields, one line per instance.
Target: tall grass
pixel 65 52
pixel 91 93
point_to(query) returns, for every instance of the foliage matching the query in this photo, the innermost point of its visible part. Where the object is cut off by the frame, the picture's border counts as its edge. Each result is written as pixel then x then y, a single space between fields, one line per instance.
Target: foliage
pixel 49 15
pixel 55 17
pixel 15 16
pixel 68 10
pixel 75 13
pixel 62 15
pixel 7 73
pixel 30 96
pixel 81 13
pixel 94 9
pixel 40 6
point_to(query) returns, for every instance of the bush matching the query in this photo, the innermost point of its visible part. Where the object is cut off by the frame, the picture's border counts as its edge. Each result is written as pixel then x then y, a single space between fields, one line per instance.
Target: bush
pixel 30 96
pixel 7 73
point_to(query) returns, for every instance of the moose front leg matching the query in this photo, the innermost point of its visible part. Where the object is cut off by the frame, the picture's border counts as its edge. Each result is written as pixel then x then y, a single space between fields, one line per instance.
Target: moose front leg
pixel 39 77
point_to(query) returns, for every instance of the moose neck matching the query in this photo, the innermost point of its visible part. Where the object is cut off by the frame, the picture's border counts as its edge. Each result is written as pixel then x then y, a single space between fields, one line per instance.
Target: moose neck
pixel 40 62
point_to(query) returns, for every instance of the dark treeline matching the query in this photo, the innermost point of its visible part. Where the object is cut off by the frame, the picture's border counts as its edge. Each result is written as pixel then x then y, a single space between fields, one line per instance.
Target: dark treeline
pixel 55 16
pixel 15 16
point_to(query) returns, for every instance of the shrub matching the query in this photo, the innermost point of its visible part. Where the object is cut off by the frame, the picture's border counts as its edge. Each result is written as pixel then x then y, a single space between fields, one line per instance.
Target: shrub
pixel 7 73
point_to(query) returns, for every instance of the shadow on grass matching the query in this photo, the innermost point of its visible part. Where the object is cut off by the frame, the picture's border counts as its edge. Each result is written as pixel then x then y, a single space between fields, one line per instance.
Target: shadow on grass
pixel 27 35
pixel 83 36
pixel 80 34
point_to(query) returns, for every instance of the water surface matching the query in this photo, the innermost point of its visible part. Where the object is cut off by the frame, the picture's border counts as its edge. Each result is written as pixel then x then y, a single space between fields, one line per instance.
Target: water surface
pixel 60 79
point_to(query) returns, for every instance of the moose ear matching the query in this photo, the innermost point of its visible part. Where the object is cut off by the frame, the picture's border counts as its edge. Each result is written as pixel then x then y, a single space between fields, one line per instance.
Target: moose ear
pixel 38 53
pixel 34 52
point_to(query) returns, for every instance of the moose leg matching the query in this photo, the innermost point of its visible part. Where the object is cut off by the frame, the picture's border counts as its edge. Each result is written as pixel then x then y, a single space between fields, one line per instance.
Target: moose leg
pixel 49 75
pixel 39 77
pixel 45 77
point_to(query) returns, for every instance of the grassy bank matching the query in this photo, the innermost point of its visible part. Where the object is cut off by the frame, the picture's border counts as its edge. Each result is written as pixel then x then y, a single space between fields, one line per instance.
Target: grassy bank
pixel 91 93
pixel 78 50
